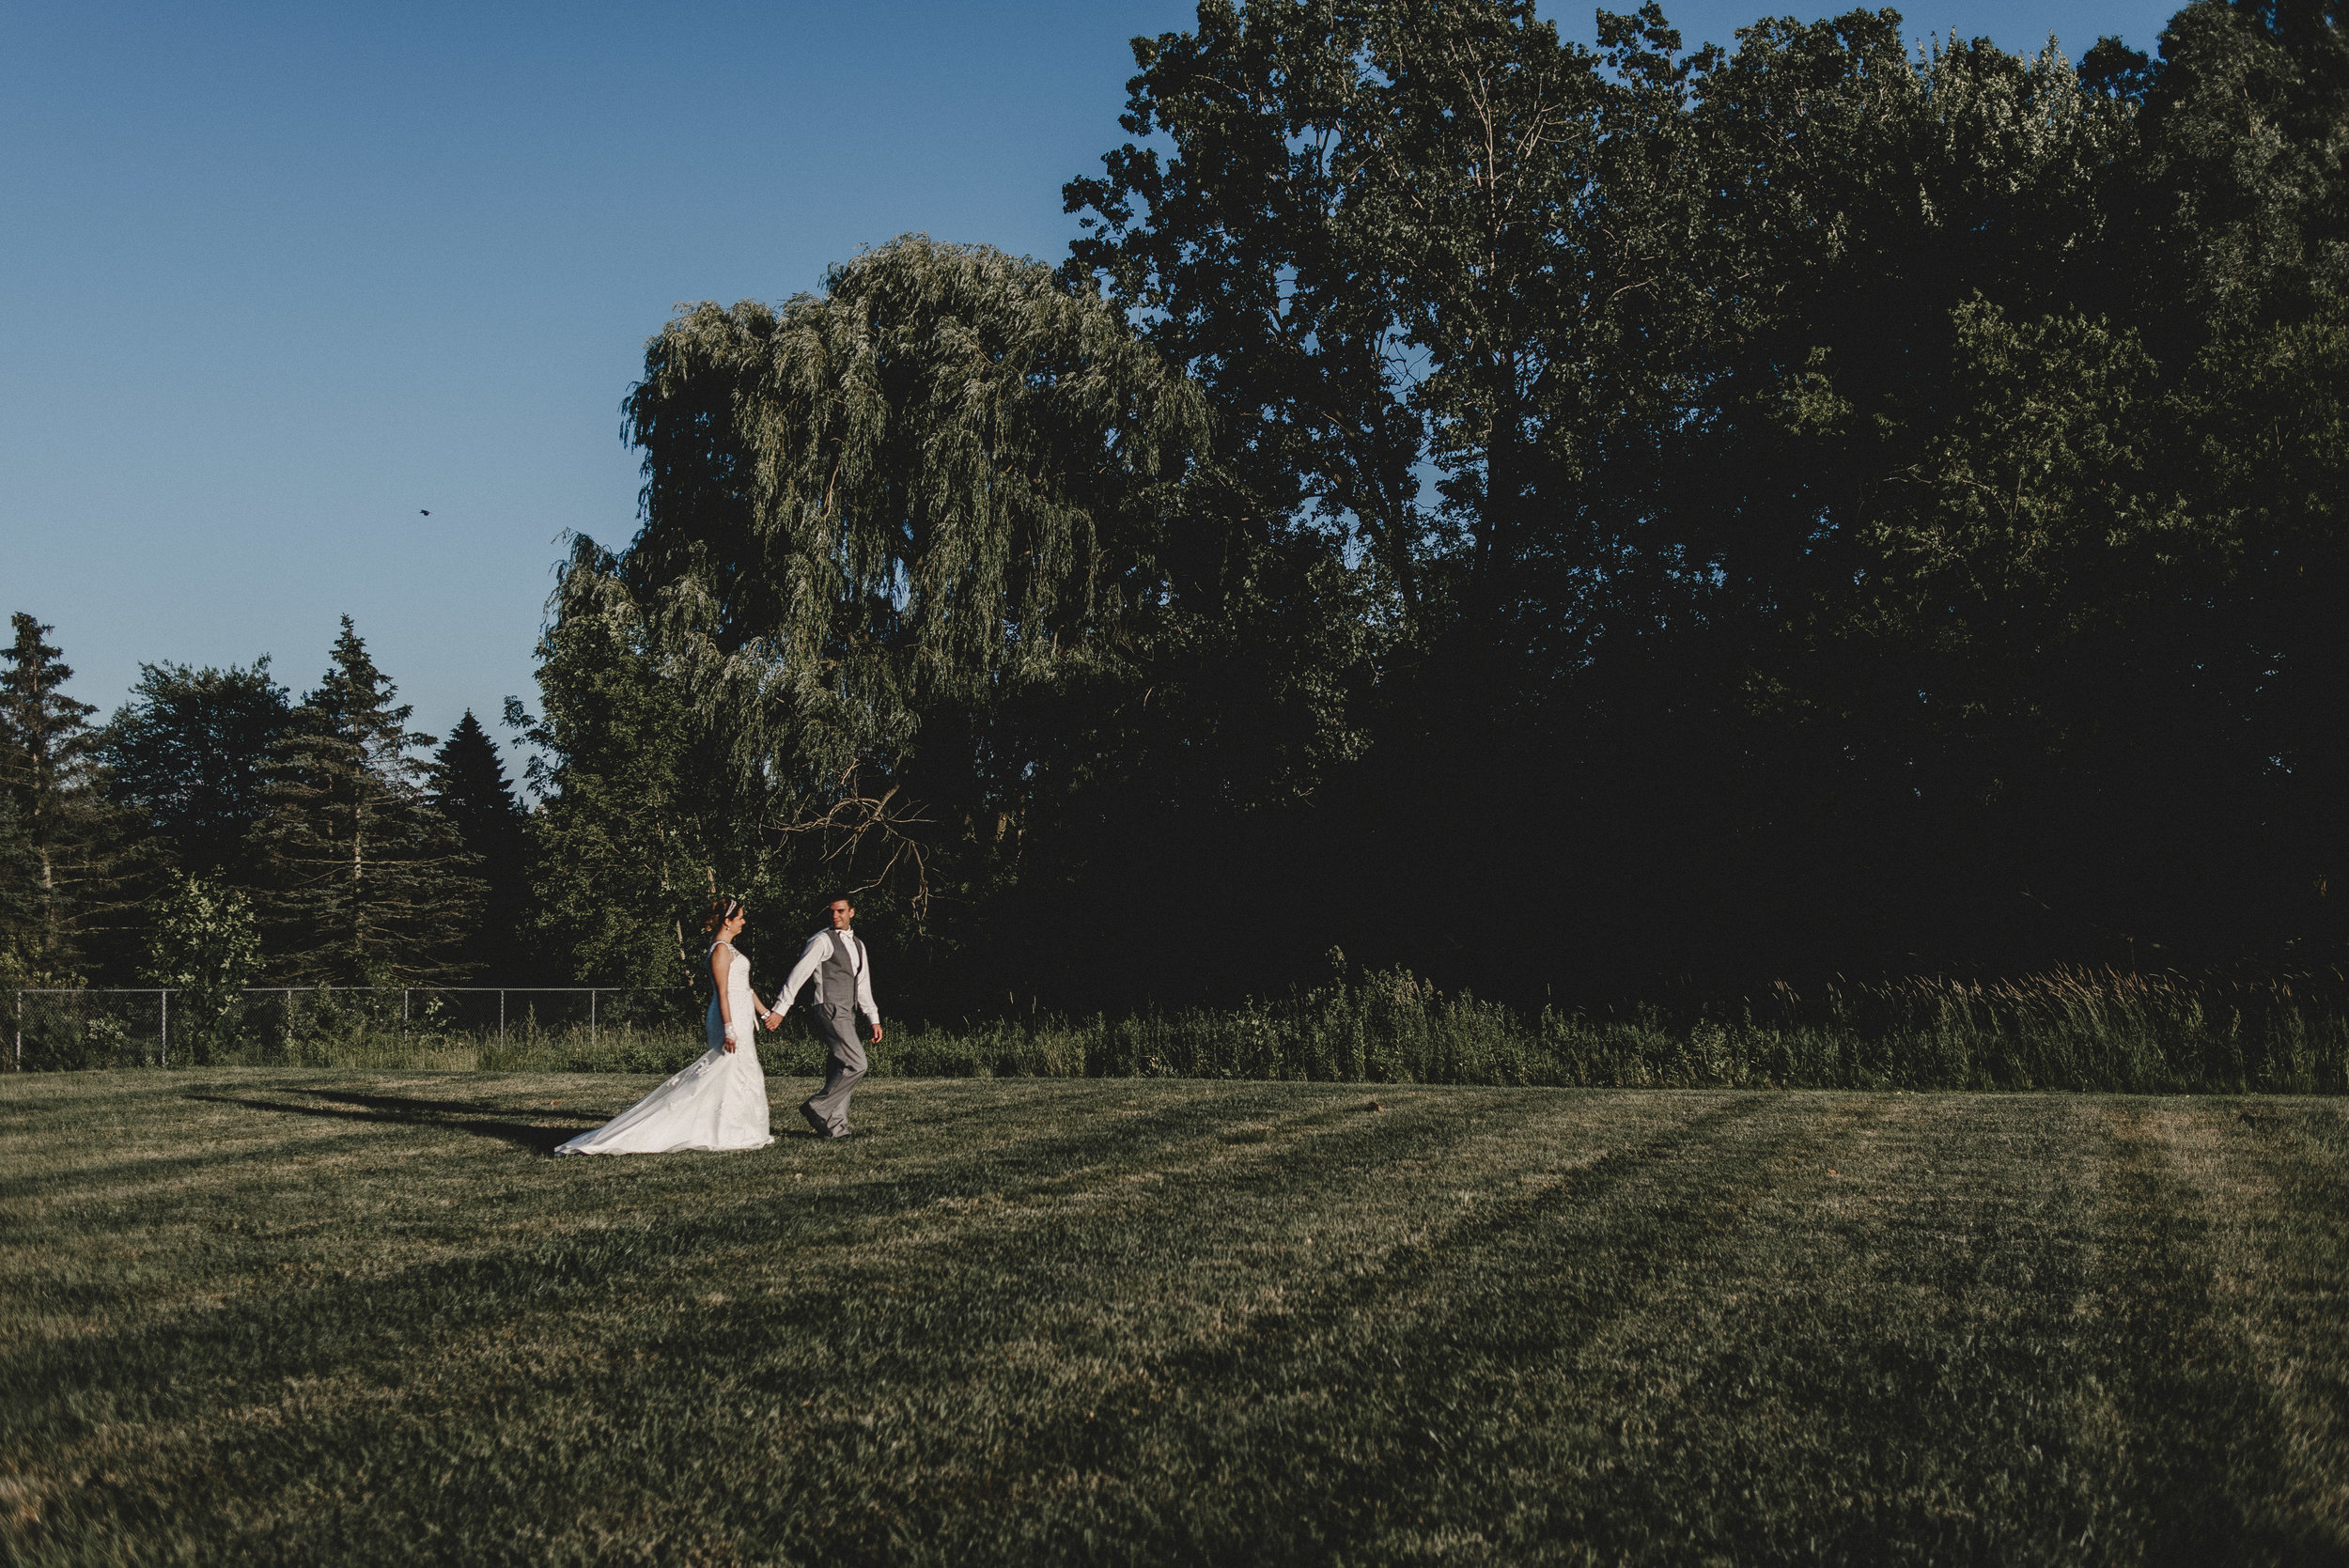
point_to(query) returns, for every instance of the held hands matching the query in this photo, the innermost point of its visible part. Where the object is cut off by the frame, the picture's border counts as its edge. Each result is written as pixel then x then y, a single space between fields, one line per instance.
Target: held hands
pixel 773 1021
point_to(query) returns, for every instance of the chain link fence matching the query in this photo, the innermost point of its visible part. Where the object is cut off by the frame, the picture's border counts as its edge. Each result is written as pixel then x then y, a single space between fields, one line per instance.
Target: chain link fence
pixel 132 1027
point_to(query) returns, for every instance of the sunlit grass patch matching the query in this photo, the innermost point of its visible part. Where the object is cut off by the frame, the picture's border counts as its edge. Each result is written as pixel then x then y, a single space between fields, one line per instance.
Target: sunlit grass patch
pixel 321 1316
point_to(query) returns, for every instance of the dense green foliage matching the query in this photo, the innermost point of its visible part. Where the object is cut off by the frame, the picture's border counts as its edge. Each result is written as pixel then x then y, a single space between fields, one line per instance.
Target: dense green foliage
pixel 1582 525
pixel 1662 517
pixel 624 855
pixel 185 757
pixel 205 949
pixel 340 1315
pixel 887 530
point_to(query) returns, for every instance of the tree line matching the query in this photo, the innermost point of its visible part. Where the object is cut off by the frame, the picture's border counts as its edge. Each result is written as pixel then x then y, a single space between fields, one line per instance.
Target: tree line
pixel 1580 522
pixel 217 832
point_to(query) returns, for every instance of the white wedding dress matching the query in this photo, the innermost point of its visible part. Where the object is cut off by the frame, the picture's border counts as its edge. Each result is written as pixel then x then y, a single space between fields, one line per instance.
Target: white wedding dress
pixel 720 1102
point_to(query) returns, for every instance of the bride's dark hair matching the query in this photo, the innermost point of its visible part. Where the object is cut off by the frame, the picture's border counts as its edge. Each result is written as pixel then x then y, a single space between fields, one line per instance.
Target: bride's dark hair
pixel 721 910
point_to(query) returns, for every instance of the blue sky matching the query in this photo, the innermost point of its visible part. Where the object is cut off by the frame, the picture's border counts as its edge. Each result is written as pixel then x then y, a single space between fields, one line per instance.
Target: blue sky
pixel 277 279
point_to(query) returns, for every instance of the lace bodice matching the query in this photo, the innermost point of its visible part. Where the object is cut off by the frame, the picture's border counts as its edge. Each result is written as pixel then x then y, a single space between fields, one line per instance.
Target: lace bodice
pixel 740 1004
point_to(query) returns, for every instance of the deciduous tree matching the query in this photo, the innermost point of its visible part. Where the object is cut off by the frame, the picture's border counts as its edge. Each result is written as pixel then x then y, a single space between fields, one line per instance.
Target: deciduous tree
pixel 620 843
pixel 875 521
pixel 1387 243
pixel 205 946
pixel 185 754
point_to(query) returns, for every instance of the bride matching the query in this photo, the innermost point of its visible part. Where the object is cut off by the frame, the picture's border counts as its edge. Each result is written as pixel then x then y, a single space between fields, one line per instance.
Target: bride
pixel 720 1102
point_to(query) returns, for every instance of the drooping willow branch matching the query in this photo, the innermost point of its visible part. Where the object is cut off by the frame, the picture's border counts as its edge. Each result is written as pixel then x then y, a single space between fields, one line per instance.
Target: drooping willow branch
pixel 947 477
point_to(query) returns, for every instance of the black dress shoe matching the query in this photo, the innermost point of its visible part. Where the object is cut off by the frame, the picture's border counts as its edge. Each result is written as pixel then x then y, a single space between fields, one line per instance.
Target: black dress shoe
pixel 807 1114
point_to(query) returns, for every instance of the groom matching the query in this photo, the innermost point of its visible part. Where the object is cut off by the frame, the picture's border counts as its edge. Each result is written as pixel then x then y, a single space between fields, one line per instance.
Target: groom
pixel 834 959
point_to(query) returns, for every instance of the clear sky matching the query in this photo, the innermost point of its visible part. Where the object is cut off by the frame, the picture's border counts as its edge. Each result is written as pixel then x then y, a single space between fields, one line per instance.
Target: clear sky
pixel 277 280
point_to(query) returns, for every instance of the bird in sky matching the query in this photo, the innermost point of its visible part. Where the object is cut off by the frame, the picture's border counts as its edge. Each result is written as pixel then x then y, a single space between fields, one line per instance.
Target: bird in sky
pixel 423 511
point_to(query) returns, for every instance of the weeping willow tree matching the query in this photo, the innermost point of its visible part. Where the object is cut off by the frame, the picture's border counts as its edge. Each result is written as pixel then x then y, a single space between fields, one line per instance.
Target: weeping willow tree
pixel 871 519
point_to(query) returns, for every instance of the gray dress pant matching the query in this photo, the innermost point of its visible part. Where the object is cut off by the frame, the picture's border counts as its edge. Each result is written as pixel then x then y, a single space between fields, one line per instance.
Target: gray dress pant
pixel 835 1025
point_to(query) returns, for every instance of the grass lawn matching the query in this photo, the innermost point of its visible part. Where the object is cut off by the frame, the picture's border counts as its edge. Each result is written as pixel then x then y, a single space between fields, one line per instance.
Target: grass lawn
pixel 273 1315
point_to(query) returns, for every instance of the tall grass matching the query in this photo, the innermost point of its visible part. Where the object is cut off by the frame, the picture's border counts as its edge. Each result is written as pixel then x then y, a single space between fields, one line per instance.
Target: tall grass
pixel 2089 1029
pixel 2072 1029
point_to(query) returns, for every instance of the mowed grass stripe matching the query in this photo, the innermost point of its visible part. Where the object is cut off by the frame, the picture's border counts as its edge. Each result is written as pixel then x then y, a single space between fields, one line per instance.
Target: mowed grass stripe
pixel 1127 1404
pixel 453 1287
pixel 1218 1150
pixel 2223 1282
pixel 392 1297
pixel 1371 1393
pixel 1567 1402
pixel 2283 1278
pixel 1535 1394
pixel 1875 1373
pixel 1170 1322
pixel 1065 1365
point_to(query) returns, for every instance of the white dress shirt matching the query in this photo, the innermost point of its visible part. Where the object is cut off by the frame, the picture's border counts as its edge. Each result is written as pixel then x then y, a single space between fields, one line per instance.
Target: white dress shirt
pixel 813 955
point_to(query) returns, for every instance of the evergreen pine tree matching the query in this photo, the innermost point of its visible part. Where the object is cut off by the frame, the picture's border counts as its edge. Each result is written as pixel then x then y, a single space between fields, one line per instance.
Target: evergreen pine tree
pixel 469 787
pixel 19 903
pixel 366 881
pixel 58 859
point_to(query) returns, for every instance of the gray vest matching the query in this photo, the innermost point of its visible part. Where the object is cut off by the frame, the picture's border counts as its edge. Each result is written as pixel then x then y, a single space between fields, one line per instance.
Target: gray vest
pixel 835 976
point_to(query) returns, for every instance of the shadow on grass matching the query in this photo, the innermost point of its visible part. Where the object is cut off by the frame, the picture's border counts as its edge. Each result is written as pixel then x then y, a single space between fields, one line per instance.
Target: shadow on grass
pixel 477 1119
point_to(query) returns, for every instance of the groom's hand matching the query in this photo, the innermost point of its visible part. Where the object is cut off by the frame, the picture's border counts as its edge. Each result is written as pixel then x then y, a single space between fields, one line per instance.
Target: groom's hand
pixel 773 1021
pixel 876 1034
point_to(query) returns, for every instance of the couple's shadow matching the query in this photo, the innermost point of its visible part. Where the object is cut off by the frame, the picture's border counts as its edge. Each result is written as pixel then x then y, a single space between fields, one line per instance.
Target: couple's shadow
pixel 480 1120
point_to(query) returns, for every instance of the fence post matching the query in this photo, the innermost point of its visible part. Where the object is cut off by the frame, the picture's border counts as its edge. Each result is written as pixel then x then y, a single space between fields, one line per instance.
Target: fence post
pixel 163 1029
pixel 20 1032
pixel 403 1009
pixel 500 1015
pixel 591 1014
